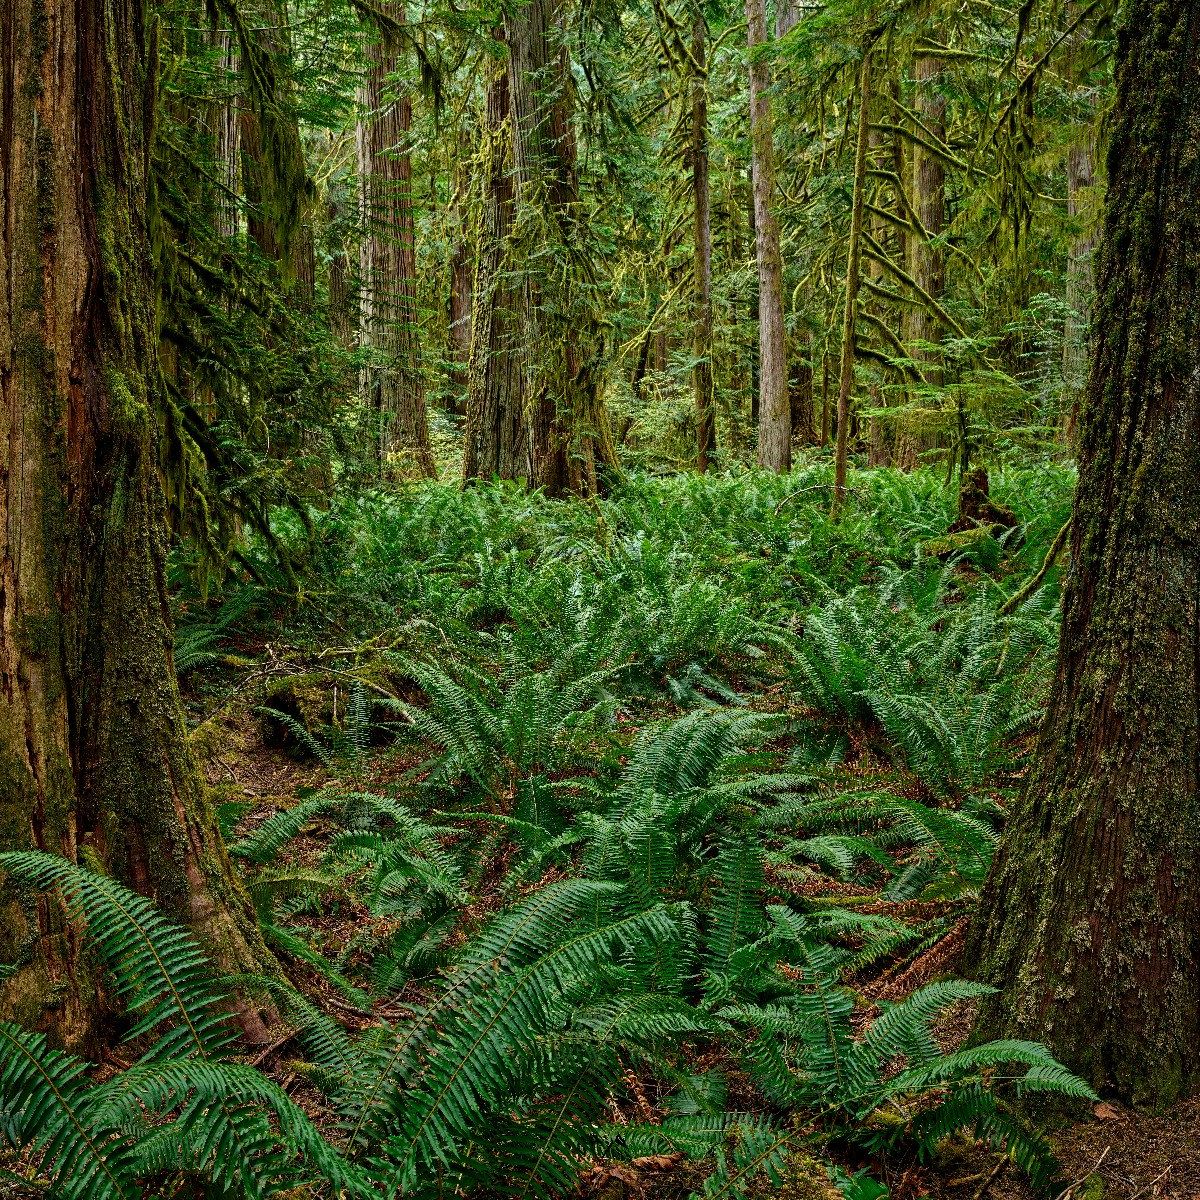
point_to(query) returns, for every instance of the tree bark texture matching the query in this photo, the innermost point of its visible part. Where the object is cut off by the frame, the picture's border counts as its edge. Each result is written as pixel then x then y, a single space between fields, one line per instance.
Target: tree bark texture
pixel 393 382
pixel 94 756
pixel 774 407
pixel 1090 922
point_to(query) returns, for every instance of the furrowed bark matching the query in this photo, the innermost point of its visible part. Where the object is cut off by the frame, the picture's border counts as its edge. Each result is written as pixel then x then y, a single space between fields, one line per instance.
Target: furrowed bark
pixel 94 757
pixel 1090 921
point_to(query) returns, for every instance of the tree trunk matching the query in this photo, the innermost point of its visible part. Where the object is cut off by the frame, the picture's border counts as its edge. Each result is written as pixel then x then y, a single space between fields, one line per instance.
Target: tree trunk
pixel 702 327
pixel 94 756
pixel 774 409
pixel 929 200
pixel 458 349
pixel 1081 172
pixel 800 391
pixel 573 449
pixel 496 442
pixel 394 386
pixel 1090 922
pixel 853 282
pixel 274 172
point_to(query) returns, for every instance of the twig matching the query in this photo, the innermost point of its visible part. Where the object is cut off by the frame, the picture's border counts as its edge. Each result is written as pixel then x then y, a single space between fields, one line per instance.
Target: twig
pixel 1069 1190
pixel 1019 597
pixel 1162 1175
pixel 987 1183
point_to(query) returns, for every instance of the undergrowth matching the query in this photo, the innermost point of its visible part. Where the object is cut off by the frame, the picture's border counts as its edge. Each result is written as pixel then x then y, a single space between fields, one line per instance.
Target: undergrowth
pixel 641 830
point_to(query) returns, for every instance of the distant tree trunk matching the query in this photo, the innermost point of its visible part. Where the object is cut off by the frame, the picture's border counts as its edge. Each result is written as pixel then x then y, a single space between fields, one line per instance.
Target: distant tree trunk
pixel 94 757
pixel 573 449
pixel 929 200
pixel 787 16
pixel 458 349
pixel 343 315
pixel 853 281
pixel 825 414
pixel 496 442
pixel 800 391
pixel 702 327
pixel 1090 921
pixel 394 385
pixel 774 410
pixel 1081 172
pixel 225 138
pixel 274 174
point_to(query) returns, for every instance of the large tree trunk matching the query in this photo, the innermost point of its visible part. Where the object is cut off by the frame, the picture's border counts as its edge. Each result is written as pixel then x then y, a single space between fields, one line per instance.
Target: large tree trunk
pixel 496 442
pixel 774 408
pixel 573 449
pixel 702 301
pixel 94 756
pixel 393 383
pixel 1090 923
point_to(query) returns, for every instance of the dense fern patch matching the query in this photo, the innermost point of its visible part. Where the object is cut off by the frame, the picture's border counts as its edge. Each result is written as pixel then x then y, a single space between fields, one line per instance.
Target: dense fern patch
pixel 639 830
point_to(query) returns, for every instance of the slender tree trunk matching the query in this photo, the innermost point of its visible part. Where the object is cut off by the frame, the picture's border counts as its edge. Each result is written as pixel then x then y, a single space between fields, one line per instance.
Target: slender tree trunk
pixel 774 409
pixel 496 442
pixel 702 328
pixel 94 757
pixel 394 384
pixel 458 349
pixel 929 200
pixel 853 281
pixel 226 147
pixel 1090 921
pixel 825 414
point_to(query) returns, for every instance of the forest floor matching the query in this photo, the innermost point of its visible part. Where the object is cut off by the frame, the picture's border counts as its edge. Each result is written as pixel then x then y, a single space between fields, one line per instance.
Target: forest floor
pixel 890 692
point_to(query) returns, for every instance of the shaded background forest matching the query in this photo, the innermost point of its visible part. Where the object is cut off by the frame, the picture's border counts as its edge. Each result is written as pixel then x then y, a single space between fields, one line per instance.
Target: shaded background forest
pixel 546 243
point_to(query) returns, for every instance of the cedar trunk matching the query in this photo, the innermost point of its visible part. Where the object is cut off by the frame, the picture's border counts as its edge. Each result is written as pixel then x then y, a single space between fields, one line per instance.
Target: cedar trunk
pixel 1090 922
pixel 94 756
pixel 393 382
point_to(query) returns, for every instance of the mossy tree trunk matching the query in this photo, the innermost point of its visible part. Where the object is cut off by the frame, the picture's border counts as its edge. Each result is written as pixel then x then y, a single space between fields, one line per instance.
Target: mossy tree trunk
pixel 1090 922
pixel 573 450
pixel 94 756
pixel 496 440
pixel 393 381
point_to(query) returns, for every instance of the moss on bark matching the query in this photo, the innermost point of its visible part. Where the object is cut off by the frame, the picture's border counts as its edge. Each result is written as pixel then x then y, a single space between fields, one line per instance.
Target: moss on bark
pixel 1090 923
